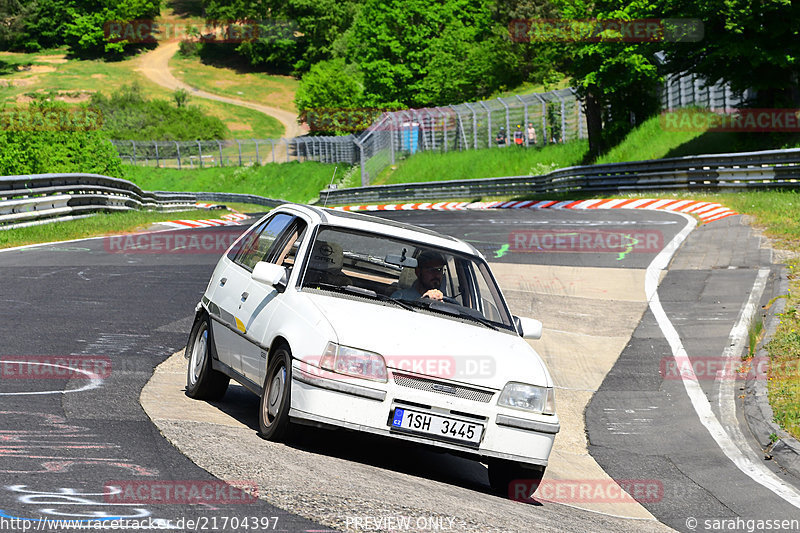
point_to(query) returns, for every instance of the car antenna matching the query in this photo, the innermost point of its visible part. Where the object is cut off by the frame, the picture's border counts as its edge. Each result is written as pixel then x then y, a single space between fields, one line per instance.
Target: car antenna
pixel 329 186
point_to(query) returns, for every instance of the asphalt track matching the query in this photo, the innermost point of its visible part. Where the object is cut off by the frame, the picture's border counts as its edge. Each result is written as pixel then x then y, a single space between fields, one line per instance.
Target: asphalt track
pixel 60 449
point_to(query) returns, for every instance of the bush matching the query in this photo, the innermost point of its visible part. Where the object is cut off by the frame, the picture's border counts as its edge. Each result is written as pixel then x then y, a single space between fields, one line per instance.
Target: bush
pixel 128 115
pixel 36 147
pixel 188 48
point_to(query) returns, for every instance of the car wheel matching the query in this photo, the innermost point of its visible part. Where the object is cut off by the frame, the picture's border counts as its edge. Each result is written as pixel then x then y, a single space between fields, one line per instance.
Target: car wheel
pixel 273 412
pixel 202 381
pixel 513 480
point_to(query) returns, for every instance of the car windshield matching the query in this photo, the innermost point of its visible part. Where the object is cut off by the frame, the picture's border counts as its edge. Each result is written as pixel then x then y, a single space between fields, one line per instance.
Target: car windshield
pixel 392 270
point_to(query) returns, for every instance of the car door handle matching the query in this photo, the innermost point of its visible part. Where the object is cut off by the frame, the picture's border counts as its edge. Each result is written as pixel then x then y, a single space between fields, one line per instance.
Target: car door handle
pixel 245 295
pixel 223 281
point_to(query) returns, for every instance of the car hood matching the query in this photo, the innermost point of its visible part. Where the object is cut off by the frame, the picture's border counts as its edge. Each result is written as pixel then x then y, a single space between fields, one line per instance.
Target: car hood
pixel 425 343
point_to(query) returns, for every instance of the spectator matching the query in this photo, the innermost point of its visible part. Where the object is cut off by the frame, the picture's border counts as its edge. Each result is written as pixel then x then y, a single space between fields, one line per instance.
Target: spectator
pixel 501 137
pixel 531 134
pixel 519 138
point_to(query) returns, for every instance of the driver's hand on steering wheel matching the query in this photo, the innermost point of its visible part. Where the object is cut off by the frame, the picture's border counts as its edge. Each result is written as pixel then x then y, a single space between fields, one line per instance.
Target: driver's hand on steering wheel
pixel 434 294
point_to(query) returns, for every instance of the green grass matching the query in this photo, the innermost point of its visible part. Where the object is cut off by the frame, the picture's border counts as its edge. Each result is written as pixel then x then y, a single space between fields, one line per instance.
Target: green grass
pixel 294 182
pixel 266 89
pixel 100 224
pixel 783 386
pixel 486 163
pixel 648 141
pixel 651 140
pixel 243 123
pixel 75 80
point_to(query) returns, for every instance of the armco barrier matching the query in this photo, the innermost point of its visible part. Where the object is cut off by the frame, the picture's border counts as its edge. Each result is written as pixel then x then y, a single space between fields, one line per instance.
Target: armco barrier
pixel 773 168
pixel 42 198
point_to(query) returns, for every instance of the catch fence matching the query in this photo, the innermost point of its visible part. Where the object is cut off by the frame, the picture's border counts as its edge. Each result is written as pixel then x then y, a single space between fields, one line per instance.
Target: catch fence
pixel 529 121
pixel 238 152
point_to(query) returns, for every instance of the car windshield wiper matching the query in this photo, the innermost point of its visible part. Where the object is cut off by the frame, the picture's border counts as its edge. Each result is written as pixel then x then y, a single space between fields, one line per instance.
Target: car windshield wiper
pixel 359 291
pixel 451 309
pixel 476 318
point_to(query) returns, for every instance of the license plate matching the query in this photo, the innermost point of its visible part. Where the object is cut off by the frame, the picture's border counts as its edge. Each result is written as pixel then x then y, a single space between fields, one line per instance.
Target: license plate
pixel 436 426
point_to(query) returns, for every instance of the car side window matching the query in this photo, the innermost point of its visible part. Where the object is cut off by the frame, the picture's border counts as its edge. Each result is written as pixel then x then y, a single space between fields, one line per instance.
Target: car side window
pixel 257 245
pixel 286 249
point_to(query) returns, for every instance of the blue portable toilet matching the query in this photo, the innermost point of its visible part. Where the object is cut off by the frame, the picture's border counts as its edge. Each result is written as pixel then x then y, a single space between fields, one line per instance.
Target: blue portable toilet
pixel 409 137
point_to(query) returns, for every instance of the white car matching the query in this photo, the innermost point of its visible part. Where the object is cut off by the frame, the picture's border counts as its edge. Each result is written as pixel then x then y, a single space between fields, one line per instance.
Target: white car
pixel 320 312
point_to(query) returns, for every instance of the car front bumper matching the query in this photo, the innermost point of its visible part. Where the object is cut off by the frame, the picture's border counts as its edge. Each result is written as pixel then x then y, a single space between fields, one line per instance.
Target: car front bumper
pixel 361 405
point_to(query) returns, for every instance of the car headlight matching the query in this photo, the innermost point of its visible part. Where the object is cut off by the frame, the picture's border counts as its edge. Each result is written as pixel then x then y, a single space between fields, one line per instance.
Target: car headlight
pixel 353 362
pixel 528 398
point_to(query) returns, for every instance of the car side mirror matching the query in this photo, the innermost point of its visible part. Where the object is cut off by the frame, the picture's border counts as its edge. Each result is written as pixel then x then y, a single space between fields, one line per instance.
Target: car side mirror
pixel 528 328
pixel 270 274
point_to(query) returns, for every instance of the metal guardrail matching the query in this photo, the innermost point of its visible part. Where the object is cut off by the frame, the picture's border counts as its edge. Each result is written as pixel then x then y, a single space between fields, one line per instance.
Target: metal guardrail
pixel 233 197
pixel 41 198
pixel 766 169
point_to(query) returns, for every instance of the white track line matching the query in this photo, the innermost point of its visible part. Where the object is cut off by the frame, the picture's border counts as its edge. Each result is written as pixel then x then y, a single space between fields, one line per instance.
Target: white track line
pixel 735 448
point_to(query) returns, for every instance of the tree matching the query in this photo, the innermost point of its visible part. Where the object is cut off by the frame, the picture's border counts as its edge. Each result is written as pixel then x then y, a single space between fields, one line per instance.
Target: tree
pixel 423 53
pixel 80 24
pixel 751 44
pixel 617 80
pixel 330 97
pixel 86 31
pixel 12 15
pixel 292 34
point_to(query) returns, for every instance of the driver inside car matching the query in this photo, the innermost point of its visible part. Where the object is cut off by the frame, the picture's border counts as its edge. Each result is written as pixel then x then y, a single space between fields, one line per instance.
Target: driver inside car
pixel 429 271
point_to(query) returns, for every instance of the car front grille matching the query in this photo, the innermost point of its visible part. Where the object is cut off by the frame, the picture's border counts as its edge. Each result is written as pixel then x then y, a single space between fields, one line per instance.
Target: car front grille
pixel 440 387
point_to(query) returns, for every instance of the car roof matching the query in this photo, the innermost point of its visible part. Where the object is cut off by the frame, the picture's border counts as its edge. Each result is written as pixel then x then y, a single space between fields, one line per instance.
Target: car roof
pixel 349 219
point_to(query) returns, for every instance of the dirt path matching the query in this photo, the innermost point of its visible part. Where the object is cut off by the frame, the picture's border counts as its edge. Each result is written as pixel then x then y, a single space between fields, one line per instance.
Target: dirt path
pixel 155 66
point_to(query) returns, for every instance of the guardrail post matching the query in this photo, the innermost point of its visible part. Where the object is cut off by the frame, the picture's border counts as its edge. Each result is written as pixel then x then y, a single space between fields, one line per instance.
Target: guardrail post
pixel 157 161
pixel 219 145
pixel 258 159
pixel 240 151
pixel 134 151
pixel 178 149
pixel 200 154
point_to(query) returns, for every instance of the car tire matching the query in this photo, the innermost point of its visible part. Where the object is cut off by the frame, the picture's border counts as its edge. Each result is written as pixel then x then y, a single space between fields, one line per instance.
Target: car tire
pixel 276 395
pixel 513 480
pixel 202 381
